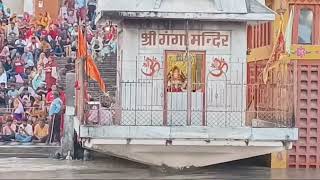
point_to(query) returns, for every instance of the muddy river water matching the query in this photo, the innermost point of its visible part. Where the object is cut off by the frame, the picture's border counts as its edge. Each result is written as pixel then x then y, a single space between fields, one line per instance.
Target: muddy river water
pixel 17 168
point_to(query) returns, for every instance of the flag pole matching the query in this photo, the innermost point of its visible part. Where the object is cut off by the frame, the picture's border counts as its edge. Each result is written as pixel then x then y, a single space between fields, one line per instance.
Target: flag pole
pixel 85 36
pixel 82 71
pixel 85 66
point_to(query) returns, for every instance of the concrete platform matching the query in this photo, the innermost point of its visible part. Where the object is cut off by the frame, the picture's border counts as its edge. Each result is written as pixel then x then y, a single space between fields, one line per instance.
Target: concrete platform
pixel 191 132
pixel 180 147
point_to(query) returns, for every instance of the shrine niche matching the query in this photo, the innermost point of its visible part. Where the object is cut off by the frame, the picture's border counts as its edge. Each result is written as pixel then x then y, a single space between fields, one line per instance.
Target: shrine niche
pixel 177 71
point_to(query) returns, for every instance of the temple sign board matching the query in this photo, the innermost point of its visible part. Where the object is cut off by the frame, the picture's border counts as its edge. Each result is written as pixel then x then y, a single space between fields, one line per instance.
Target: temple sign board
pixel 176 39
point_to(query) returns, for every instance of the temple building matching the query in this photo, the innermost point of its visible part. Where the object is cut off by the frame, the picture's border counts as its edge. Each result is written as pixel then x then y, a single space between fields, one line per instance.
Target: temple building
pixel 182 85
pixel 297 21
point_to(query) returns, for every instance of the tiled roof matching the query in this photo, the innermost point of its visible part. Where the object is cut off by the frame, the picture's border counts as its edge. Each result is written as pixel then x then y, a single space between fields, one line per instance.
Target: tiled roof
pixel 199 9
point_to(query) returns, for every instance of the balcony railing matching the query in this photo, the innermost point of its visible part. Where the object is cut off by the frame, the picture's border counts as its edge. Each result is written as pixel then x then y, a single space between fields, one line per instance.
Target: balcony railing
pixel 226 102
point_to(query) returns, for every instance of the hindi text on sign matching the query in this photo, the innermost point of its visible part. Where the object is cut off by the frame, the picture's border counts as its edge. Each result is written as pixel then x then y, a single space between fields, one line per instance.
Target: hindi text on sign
pixel 215 39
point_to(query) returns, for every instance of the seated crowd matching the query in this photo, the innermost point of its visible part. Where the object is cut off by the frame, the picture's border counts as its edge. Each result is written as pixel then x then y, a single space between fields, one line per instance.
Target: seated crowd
pixel 31 101
pixel 31 116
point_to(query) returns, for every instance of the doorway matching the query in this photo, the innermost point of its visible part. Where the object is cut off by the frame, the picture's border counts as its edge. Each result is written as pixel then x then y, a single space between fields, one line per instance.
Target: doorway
pixel 184 103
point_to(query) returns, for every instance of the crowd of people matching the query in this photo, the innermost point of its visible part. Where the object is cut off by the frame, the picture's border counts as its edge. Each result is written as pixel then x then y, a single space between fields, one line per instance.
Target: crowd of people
pixel 101 38
pixel 31 100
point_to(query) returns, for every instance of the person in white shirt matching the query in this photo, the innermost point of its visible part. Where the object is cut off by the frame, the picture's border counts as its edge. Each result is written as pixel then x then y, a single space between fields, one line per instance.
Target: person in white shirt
pixel 34 47
pixel 96 46
pixel 34 43
pixel 63 13
pixel 25 132
pixel 3 75
pixel 20 45
pixel 12 33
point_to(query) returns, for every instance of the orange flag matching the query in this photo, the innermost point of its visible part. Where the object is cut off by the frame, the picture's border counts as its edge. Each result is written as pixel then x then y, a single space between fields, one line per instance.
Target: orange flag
pixel 82 44
pixel 93 73
pixel 91 67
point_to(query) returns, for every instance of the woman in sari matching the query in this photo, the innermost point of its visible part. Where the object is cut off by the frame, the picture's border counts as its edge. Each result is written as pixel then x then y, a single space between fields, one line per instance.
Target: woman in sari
pixel 2 34
pixel 51 73
pixel 26 18
pixel 38 109
pixel 18 110
pixel 30 32
pixel 3 75
pixel 38 79
pixel 42 61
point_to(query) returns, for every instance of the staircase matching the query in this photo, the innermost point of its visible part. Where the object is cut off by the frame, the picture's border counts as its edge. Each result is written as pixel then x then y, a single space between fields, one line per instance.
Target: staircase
pixel 108 71
pixel 61 70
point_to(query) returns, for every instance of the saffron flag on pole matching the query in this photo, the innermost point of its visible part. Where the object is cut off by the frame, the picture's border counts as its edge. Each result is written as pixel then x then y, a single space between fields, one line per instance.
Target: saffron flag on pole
pixel 82 44
pixel 279 58
pixel 288 35
pixel 279 47
pixel 94 74
pixel 91 68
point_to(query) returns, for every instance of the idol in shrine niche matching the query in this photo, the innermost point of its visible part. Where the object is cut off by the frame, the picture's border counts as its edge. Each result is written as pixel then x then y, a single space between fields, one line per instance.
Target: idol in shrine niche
pixel 177 81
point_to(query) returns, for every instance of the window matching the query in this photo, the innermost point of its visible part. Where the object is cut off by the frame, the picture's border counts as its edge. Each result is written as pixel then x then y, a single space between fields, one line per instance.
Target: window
pixel 305 28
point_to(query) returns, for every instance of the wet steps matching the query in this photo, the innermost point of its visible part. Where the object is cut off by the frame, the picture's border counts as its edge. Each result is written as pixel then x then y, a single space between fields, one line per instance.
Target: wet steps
pixel 27 150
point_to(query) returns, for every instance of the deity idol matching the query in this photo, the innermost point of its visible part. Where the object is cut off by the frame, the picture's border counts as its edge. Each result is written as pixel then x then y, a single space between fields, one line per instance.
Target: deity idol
pixel 177 81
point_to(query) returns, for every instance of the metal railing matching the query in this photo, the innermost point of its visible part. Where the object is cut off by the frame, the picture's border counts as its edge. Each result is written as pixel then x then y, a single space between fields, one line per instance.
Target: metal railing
pixel 230 100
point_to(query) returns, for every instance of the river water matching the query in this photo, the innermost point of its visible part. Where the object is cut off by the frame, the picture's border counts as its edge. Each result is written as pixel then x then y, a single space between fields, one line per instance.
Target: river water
pixel 16 168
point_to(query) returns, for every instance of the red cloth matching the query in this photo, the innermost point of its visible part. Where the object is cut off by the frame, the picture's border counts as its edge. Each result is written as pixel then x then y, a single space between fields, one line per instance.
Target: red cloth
pixel 53 34
pixel 19 67
pixel 49 97
pixel 50 80
pixel 63 97
pixel 29 34
pixel 62 125
pixel 90 36
pixel 82 12
pixel 173 89
pixel 108 36
pixel 44 33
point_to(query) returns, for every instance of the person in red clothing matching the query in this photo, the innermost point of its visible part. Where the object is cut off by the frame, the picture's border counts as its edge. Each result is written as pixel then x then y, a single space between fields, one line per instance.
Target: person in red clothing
pixel 53 34
pixel 26 18
pixel 63 99
pixel 51 72
pixel 53 31
pixel 44 32
pixel 18 65
pixel 50 97
pixel 62 94
pixel 30 33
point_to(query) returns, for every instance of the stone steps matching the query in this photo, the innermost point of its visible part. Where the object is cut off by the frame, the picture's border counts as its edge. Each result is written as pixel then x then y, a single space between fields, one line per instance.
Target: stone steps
pixel 61 64
pixel 27 150
pixel 108 71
